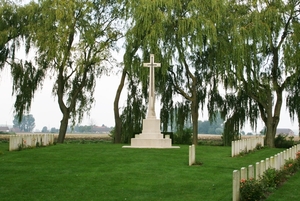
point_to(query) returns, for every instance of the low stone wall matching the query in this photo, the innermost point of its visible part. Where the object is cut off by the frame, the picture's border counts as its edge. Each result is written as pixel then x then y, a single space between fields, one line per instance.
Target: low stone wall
pixel 29 140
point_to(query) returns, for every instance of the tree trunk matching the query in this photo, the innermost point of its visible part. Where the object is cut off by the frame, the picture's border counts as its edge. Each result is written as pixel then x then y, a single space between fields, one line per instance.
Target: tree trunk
pixel 63 128
pixel 63 108
pixel 195 114
pixel 271 122
pixel 118 121
pixel 270 133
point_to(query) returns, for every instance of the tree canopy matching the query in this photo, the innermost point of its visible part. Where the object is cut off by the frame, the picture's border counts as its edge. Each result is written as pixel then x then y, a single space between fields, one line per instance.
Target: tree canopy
pixel 261 62
pixel 180 34
pixel 240 56
pixel 72 41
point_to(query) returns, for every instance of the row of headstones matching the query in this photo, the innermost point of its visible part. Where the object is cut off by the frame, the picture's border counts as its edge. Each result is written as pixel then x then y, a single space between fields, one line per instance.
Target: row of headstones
pixel 192 155
pixel 245 145
pixel 30 140
pixel 277 162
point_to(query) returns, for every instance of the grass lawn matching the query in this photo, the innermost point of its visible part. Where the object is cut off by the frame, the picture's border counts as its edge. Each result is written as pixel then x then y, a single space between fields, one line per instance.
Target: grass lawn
pixel 105 171
pixel 290 191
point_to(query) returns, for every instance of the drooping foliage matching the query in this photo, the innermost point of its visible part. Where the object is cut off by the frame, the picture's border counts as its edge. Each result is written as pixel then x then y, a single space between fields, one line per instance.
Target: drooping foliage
pixel 14 33
pixel 133 113
pixel 259 64
pixel 241 55
pixel 13 29
pixel 85 32
pixel 26 80
pixel 180 34
pixel 292 101
pixel 72 41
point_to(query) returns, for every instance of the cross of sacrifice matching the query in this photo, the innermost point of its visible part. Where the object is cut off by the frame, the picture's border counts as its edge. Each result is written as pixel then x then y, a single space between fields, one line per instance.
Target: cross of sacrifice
pixel 151 105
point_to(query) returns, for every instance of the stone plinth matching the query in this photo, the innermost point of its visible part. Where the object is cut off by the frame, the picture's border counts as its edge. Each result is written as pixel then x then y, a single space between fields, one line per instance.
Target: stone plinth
pixel 151 136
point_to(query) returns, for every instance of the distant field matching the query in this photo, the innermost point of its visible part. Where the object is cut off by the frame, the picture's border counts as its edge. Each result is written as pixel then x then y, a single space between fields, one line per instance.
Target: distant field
pixel 106 136
pixel 69 135
pixel 209 136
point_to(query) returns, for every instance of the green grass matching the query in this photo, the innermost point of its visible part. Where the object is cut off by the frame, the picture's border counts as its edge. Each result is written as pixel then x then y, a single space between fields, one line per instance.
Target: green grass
pixel 289 191
pixel 106 171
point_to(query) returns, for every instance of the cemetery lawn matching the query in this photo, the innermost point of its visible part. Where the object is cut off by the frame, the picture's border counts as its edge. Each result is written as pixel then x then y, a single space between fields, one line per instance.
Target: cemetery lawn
pixel 105 171
pixel 288 191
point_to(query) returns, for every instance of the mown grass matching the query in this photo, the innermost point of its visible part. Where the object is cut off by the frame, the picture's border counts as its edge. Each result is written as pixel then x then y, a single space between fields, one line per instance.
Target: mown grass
pixel 105 171
pixel 289 191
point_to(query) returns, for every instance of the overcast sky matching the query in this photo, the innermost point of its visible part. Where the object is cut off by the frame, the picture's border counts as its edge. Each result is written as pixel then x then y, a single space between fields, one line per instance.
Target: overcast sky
pixel 45 108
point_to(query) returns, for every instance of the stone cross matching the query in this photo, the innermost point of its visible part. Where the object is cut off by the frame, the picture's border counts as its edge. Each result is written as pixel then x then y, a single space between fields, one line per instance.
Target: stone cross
pixel 151 105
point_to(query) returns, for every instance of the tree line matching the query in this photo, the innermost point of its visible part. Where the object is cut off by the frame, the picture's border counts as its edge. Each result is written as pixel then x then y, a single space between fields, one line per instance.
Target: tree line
pixel 208 127
pixel 236 56
pixel 27 124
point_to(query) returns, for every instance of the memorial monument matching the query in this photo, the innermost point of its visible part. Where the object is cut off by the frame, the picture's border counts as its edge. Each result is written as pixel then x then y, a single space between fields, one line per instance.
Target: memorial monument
pixel 151 136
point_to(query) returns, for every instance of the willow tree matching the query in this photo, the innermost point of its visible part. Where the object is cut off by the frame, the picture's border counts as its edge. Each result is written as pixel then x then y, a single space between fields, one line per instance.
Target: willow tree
pixel 8 31
pixel 262 59
pixel 72 41
pixel 179 32
pixel 130 121
pixel 12 30
pixel 75 42
pixel 293 101
pixel 125 125
pixel 14 34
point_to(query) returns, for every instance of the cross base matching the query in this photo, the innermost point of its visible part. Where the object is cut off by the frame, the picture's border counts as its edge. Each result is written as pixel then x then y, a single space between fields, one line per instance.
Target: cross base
pixel 151 136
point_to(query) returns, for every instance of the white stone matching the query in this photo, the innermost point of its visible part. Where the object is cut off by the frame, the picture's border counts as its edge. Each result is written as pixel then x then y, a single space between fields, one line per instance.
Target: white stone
pixel 268 163
pixel 272 162
pixel 262 167
pixel 250 172
pixel 236 185
pixel 282 161
pixel 276 162
pixel 190 156
pixel 257 171
pixel 244 173
pixel 238 146
pixel 193 154
pixel 151 136
pixel 29 140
